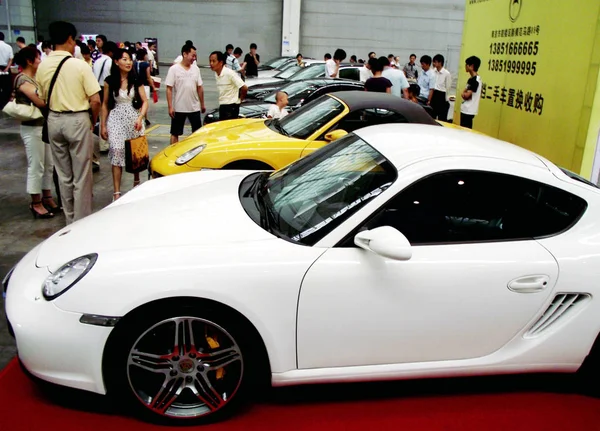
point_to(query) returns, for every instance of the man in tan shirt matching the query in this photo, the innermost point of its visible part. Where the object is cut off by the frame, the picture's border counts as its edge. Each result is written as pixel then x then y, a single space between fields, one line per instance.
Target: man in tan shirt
pixel 232 90
pixel 69 125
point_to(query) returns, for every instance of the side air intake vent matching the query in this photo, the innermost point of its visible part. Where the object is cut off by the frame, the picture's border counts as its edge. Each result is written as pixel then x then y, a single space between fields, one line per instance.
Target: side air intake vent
pixel 562 306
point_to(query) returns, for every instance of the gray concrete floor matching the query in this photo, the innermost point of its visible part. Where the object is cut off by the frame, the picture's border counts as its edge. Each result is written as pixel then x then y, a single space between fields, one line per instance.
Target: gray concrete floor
pixel 19 232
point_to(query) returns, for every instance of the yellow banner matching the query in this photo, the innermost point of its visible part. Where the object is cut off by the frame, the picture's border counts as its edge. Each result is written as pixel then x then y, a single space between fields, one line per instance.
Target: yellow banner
pixel 539 68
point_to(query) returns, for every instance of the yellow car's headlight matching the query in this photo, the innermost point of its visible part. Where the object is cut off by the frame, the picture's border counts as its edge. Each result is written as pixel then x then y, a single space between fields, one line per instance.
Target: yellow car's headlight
pixel 189 155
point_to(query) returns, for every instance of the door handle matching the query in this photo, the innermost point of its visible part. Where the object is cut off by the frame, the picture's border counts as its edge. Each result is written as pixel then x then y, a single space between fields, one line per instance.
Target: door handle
pixel 529 284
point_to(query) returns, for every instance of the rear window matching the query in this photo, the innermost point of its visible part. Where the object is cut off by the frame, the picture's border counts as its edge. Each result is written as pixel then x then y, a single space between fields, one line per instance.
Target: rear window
pixel 576 177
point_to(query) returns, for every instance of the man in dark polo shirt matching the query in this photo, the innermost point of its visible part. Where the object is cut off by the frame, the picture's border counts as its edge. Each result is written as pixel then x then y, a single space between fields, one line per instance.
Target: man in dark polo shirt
pixel 252 61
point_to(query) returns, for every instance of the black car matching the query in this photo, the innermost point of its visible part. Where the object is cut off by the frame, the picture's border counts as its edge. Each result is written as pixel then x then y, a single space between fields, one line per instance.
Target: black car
pixel 299 93
pixel 296 73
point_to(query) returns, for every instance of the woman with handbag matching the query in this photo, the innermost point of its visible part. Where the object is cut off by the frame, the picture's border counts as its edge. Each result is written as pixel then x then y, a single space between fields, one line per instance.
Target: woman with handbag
pixel 39 157
pixel 123 110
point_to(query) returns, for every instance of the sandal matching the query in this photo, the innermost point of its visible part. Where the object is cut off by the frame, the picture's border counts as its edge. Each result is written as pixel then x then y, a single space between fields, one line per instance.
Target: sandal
pixel 37 214
pixel 115 196
pixel 136 183
pixel 53 209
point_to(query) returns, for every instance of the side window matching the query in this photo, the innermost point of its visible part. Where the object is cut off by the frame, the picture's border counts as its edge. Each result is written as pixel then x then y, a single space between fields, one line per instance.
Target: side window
pixel 367 117
pixel 468 206
pixel 350 73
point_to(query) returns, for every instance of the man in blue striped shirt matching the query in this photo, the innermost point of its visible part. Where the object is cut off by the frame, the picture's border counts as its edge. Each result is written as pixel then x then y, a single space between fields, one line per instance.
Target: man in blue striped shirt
pixel 232 59
pixel 426 79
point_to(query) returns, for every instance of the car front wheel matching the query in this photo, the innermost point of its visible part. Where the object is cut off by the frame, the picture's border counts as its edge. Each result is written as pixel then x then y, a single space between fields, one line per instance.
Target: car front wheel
pixel 184 364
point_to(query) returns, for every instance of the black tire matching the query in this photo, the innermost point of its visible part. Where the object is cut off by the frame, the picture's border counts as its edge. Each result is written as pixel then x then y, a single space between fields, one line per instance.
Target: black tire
pixel 126 381
pixel 249 165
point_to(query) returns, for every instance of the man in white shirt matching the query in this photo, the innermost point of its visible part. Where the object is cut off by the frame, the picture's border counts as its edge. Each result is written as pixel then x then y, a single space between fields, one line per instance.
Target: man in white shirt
pixel 278 110
pixel 185 94
pixel 232 89
pixel 443 84
pixel 332 66
pixel 396 77
pixel 365 72
pixel 151 58
pixel 6 59
pixel 472 93
pixel 101 67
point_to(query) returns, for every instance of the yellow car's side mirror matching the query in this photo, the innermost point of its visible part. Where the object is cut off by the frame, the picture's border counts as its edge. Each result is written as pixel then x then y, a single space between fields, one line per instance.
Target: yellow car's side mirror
pixel 335 135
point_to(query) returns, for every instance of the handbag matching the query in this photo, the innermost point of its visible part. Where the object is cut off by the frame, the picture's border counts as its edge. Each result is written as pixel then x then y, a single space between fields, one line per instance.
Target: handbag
pixel 22 112
pixel 137 156
pixel 47 109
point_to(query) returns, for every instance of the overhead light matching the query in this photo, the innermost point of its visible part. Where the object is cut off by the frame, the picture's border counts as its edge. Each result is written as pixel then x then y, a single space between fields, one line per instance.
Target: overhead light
pixel 461 182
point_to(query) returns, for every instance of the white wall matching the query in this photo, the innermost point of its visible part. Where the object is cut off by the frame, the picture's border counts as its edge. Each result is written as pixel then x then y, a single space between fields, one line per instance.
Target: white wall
pixel 21 20
pixel 209 24
pixel 396 27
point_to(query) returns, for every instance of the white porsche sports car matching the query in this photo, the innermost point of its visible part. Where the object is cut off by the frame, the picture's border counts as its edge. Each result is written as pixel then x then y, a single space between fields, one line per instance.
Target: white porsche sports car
pixel 395 252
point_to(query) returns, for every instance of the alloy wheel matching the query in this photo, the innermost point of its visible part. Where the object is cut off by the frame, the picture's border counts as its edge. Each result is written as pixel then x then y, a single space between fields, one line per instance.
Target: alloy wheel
pixel 185 367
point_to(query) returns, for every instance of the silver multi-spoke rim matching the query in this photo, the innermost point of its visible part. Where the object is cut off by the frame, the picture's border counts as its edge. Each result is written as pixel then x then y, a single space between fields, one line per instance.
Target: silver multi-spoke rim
pixel 195 373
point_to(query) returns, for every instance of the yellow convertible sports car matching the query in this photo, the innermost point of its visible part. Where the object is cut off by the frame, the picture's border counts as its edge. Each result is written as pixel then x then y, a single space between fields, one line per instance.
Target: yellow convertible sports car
pixel 273 144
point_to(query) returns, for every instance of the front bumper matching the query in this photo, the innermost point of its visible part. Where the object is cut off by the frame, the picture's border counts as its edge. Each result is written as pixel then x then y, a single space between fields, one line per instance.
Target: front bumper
pixel 52 343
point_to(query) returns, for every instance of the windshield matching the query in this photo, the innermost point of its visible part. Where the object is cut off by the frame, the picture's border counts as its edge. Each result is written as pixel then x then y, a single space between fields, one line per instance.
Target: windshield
pixel 314 71
pixel 296 91
pixel 275 62
pixel 308 119
pixel 289 71
pixel 306 200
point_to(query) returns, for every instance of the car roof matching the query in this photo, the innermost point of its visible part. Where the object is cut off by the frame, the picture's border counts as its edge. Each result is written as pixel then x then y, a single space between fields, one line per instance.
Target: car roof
pixel 404 144
pixel 357 100
pixel 323 82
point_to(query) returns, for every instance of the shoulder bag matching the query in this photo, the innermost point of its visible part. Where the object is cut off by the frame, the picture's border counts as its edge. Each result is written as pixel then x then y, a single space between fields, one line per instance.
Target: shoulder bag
pixel 47 109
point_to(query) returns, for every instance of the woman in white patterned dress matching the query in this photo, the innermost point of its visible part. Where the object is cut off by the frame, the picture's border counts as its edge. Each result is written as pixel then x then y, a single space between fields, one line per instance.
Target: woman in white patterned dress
pixel 123 111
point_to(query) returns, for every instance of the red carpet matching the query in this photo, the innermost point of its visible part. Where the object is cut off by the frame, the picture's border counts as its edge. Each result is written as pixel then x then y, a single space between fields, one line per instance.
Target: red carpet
pixel 486 404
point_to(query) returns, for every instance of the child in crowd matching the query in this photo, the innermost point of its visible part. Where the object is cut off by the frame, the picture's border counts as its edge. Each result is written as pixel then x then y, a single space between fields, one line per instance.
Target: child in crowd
pixel 278 110
pixel 413 92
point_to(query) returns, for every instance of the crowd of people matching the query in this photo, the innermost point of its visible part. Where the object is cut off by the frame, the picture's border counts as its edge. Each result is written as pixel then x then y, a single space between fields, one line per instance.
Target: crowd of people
pixel 82 88
pixel 428 85
pixel 98 87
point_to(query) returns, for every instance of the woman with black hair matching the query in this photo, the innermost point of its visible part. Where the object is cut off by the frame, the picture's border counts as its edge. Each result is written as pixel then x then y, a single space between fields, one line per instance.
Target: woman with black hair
pixel 39 156
pixel 123 110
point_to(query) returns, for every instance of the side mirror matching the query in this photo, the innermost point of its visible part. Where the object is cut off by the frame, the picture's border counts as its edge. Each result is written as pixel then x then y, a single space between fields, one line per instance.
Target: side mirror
pixel 336 134
pixel 385 241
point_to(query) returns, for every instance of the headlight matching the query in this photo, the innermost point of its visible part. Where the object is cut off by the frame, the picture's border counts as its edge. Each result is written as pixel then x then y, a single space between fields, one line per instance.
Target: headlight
pixel 67 276
pixel 186 157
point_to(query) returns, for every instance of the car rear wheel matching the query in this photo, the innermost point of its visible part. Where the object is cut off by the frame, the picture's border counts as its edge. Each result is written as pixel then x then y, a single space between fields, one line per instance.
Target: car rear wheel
pixel 182 365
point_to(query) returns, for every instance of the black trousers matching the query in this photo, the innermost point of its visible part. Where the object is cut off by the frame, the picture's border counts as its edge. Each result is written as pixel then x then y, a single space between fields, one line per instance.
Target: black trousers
pixel 5 87
pixel 466 120
pixel 439 105
pixel 229 112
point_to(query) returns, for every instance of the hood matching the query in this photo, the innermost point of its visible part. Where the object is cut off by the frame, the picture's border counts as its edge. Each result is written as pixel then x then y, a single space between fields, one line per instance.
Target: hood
pixel 192 209
pixel 225 136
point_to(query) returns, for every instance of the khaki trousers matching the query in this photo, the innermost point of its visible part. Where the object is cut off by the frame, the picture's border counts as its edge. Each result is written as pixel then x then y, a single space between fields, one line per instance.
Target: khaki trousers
pixel 72 148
